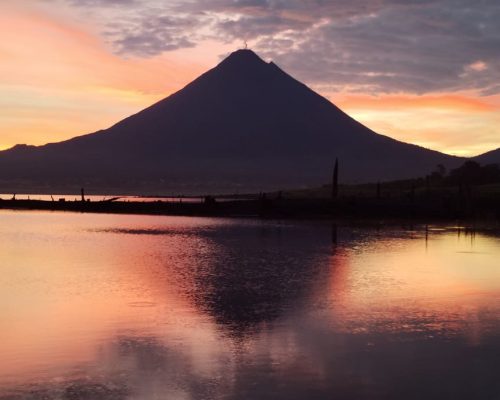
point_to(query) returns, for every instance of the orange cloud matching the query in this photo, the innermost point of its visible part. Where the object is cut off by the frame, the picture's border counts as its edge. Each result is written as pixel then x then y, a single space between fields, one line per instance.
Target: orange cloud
pixel 478 66
pixel 446 101
pixel 59 81
pixel 463 124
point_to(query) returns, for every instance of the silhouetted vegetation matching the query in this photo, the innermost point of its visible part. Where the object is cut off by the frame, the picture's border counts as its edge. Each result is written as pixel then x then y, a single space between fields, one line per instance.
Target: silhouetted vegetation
pixel 472 173
pixel 469 191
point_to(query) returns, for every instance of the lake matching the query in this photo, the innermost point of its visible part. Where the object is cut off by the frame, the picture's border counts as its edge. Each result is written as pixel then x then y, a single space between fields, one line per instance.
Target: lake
pixel 96 306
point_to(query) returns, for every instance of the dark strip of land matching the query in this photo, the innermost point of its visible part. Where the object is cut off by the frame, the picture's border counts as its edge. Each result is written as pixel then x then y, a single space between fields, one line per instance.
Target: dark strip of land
pixel 412 204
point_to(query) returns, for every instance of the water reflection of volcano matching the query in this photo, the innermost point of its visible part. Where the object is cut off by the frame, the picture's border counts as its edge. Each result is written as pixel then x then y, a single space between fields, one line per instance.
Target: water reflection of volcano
pixel 201 309
pixel 256 273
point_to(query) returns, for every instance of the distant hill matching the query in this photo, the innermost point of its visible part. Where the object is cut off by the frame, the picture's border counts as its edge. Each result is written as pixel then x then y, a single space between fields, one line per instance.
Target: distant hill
pixel 491 157
pixel 243 126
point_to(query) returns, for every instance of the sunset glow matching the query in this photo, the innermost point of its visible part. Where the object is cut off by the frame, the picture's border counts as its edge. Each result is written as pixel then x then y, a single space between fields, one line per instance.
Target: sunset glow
pixel 61 76
pixel 249 199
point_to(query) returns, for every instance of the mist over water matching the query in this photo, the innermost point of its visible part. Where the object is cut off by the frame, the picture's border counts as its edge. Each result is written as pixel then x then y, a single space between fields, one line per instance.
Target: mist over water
pixel 149 307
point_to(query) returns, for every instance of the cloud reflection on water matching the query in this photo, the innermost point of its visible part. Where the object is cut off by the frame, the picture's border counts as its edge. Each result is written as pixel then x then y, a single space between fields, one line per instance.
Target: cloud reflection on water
pixel 219 309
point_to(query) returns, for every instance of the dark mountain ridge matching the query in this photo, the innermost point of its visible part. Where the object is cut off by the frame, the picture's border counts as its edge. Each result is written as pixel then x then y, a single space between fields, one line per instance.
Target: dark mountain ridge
pixel 490 157
pixel 244 125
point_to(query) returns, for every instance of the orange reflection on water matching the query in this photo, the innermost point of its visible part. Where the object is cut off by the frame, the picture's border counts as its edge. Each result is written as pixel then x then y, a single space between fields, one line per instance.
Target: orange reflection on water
pixel 140 307
pixel 408 283
pixel 67 289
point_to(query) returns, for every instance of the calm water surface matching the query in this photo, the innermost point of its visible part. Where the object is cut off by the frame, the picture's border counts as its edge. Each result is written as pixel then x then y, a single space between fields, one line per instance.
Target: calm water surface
pixel 136 307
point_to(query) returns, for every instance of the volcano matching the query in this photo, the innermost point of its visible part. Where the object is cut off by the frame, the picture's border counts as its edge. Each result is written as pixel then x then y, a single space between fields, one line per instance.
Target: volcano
pixel 245 125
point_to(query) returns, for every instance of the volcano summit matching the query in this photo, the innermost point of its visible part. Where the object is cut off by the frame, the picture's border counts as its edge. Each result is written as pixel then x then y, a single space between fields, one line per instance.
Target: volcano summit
pixel 245 125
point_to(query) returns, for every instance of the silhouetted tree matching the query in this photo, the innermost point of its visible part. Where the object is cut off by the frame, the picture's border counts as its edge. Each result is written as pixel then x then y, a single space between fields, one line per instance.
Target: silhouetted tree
pixel 441 170
pixel 468 173
pixel 437 176
pixel 471 173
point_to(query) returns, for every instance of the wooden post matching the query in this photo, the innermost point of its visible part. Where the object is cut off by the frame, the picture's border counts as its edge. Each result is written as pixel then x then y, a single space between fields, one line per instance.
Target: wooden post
pixel 335 180
pixel 83 194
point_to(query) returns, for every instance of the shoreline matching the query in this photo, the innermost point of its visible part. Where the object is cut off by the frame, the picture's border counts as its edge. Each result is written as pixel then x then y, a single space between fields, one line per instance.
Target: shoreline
pixel 278 208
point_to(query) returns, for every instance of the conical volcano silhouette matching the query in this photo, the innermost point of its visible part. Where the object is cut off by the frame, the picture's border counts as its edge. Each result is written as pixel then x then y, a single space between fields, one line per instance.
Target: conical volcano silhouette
pixel 244 125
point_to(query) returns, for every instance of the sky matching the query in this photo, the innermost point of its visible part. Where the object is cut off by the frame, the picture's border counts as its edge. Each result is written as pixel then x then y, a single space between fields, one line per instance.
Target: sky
pixel 422 71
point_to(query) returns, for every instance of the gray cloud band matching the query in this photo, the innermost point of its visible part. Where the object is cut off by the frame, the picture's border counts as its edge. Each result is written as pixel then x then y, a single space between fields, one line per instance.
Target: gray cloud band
pixel 377 46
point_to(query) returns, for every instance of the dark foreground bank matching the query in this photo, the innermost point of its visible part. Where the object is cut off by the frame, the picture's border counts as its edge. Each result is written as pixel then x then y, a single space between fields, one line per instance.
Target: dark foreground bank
pixel 274 206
